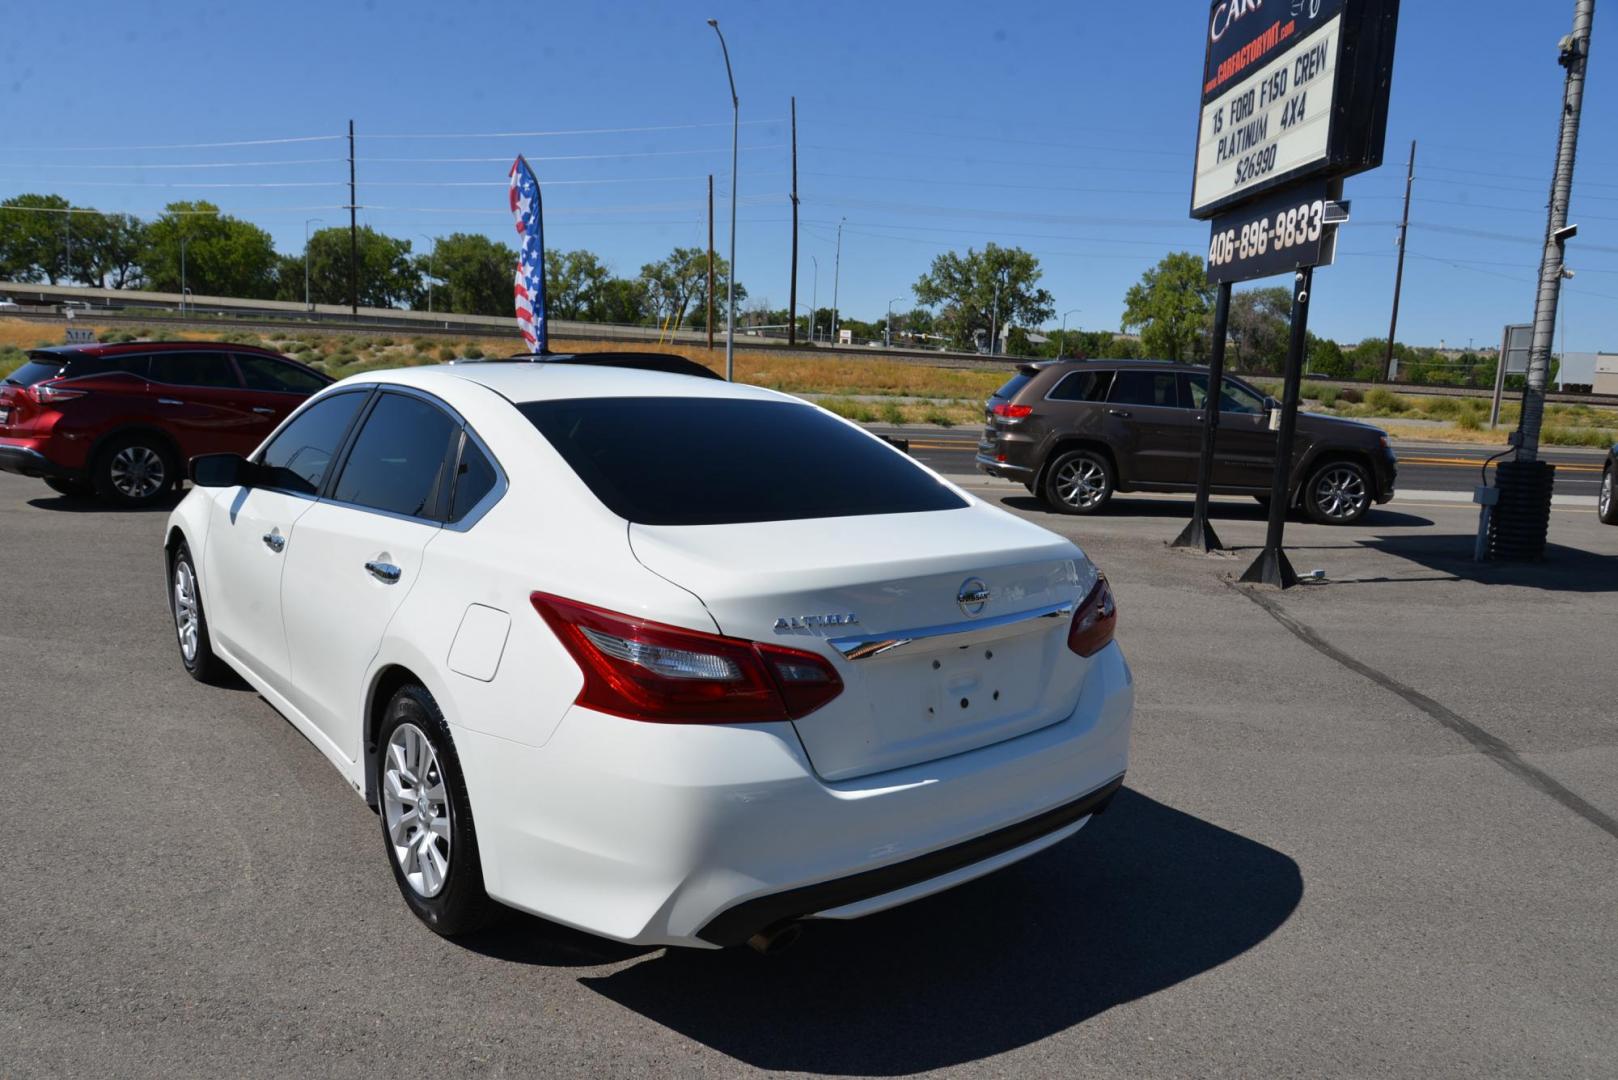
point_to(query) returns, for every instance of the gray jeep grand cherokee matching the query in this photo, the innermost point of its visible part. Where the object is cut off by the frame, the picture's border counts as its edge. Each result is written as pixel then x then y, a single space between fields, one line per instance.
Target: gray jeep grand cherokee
pixel 1075 431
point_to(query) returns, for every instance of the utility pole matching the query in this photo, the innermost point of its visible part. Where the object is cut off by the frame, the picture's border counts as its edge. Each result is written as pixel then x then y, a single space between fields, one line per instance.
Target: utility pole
pixel 994 317
pixel 836 275
pixel 1399 275
pixel 1574 55
pixel 67 226
pixel 353 232
pixel 792 302
pixel 710 262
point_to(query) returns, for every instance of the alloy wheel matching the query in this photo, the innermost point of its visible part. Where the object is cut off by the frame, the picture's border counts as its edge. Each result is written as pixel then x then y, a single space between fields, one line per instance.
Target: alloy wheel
pixel 138 472
pixel 1081 483
pixel 187 614
pixel 1605 499
pixel 415 805
pixel 1340 493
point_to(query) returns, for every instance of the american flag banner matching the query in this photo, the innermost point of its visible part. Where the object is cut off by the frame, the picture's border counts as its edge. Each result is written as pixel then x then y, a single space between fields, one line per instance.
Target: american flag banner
pixel 529 289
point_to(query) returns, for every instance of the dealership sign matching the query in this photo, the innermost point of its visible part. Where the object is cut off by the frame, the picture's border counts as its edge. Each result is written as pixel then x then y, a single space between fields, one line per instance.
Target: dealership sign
pixel 1291 90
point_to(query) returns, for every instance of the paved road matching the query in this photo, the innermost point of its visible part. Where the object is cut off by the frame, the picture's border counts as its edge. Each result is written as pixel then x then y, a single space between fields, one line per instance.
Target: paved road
pixel 1360 838
pixel 1422 466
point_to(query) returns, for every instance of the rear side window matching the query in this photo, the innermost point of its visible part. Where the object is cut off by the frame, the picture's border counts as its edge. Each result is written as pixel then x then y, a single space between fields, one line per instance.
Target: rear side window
pixel 1083 386
pixel 1013 385
pixel 205 369
pixel 398 460
pixel 34 371
pixel 707 461
pixel 298 458
pixel 277 376
pixel 474 479
pixel 1146 388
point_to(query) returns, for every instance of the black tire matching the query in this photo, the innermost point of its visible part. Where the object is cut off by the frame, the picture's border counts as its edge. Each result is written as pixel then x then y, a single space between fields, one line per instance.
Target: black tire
pixel 73 489
pixel 185 606
pixel 135 470
pixel 1607 501
pixel 459 906
pixel 1337 492
pixel 1078 482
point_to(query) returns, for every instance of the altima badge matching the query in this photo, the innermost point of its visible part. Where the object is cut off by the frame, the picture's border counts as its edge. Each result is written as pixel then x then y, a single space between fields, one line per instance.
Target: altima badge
pixel 973 597
pixel 814 622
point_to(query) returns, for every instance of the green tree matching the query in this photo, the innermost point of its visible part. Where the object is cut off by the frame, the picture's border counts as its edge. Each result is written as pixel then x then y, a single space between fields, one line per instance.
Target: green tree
pixel 388 275
pixel 1260 329
pixel 107 250
pixel 619 300
pixel 1326 359
pixel 33 235
pixel 677 286
pixel 572 281
pixel 224 256
pixel 1170 307
pixel 963 289
pixel 476 274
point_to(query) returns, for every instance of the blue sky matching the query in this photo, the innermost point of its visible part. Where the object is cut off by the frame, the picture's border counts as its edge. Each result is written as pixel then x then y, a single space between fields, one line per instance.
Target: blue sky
pixel 1065 128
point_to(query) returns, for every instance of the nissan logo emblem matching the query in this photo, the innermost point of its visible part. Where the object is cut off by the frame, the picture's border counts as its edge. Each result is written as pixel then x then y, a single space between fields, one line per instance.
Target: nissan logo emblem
pixel 973 597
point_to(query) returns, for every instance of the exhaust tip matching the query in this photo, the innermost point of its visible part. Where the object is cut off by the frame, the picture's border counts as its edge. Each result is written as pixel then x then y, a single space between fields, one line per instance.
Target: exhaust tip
pixel 775 939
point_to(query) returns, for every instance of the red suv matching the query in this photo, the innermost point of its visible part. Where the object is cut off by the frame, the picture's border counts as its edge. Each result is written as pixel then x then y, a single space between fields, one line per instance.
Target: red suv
pixel 122 420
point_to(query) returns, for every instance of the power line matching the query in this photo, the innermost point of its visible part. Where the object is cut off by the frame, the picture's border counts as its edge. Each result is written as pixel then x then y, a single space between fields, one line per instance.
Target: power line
pixel 553 134
pixel 182 146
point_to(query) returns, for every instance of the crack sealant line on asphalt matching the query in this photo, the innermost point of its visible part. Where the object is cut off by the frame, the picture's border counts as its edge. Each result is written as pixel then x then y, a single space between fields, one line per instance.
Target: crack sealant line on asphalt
pixel 1489 745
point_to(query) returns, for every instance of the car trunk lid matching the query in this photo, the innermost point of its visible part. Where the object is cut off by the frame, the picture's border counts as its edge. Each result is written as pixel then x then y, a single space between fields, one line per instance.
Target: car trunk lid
pixel 948 628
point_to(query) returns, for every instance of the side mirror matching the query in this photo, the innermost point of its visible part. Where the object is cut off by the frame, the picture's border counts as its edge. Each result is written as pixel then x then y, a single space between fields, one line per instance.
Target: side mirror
pixel 221 470
pixel 1271 405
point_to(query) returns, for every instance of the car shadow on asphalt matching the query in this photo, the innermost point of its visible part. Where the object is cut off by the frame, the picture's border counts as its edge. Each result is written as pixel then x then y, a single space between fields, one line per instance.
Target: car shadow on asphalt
pixel 1564 569
pixel 1143 898
pixel 1180 509
pixel 89 504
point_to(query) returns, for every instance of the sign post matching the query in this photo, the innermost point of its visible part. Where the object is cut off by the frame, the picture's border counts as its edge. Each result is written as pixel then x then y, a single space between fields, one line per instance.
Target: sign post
pixel 1294 99
pixel 1515 344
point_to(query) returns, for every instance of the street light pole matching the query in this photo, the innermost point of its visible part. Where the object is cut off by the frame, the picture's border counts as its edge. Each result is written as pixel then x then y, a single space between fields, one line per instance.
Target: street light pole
pixel 730 284
pixel 183 289
pixel 836 277
pixel 1061 348
pixel 432 268
pixel 814 301
pixel 307 222
pixel 887 333
pixel 994 317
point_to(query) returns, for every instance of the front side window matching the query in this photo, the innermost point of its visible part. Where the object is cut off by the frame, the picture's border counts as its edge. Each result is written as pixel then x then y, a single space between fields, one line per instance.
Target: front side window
pixel 724 461
pixel 1233 397
pixel 1146 388
pixel 267 373
pixel 398 461
pixel 1083 386
pixel 205 369
pixel 299 457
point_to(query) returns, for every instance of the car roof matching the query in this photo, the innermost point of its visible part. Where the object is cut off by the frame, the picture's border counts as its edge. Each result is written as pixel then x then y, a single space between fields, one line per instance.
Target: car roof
pixel 67 352
pixel 541 381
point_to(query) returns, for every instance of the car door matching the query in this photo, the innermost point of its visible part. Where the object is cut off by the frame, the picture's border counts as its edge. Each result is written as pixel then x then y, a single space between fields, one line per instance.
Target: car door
pixel 252 529
pixel 201 402
pixel 357 555
pixel 274 387
pixel 1244 448
pixel 1155 440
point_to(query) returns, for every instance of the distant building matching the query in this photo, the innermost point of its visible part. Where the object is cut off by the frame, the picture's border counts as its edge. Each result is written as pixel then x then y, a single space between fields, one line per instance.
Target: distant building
pixel 1606 374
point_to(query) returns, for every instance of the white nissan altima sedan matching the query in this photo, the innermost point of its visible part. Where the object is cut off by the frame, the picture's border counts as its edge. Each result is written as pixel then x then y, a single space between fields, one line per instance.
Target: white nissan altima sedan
pixel 671 660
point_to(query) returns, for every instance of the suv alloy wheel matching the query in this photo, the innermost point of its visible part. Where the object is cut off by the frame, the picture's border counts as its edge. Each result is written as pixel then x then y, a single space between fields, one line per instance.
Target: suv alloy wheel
pixel 1078 482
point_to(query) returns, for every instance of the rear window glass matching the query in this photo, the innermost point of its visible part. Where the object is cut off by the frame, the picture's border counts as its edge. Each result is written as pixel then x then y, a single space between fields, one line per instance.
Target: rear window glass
pixel 205 369
pixel 705 461
pixel 1083 386
pixel 275 376
pixel 34 371
pixel 1146 388
pixel 1013 384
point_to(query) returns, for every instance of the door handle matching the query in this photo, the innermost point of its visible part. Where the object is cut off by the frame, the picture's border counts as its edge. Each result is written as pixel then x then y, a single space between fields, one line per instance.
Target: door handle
pixel 169 401
pixel 1119 412
pixel 274 541
pixel 384 572
pixel 262 411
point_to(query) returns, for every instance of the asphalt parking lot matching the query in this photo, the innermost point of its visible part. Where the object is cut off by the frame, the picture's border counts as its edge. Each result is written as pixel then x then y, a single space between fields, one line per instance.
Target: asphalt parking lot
pixel 1371 829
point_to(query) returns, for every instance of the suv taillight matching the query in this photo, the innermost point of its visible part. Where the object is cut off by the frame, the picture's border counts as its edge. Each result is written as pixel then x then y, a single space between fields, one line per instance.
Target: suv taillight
pixel 1007 411
pixel 1094 622
pixel 48 393
pixel 650 671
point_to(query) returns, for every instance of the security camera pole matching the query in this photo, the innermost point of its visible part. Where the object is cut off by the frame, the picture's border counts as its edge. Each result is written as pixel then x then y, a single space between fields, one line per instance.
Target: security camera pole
pixel 1575 56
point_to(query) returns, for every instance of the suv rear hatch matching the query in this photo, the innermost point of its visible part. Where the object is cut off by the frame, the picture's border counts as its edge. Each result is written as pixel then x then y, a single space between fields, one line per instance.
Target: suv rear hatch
pixel 929 668
pixel 16 407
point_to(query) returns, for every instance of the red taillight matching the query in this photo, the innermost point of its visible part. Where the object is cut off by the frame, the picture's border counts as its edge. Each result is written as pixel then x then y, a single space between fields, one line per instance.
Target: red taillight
pixel 1094 622
pixel 1007 411
pixel 49 394
pixel 644 670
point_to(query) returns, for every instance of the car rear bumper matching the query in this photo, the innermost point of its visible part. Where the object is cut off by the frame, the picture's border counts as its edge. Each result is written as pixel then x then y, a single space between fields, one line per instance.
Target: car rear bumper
pixel 705 835
pixel 1003 469
pixel 20 457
